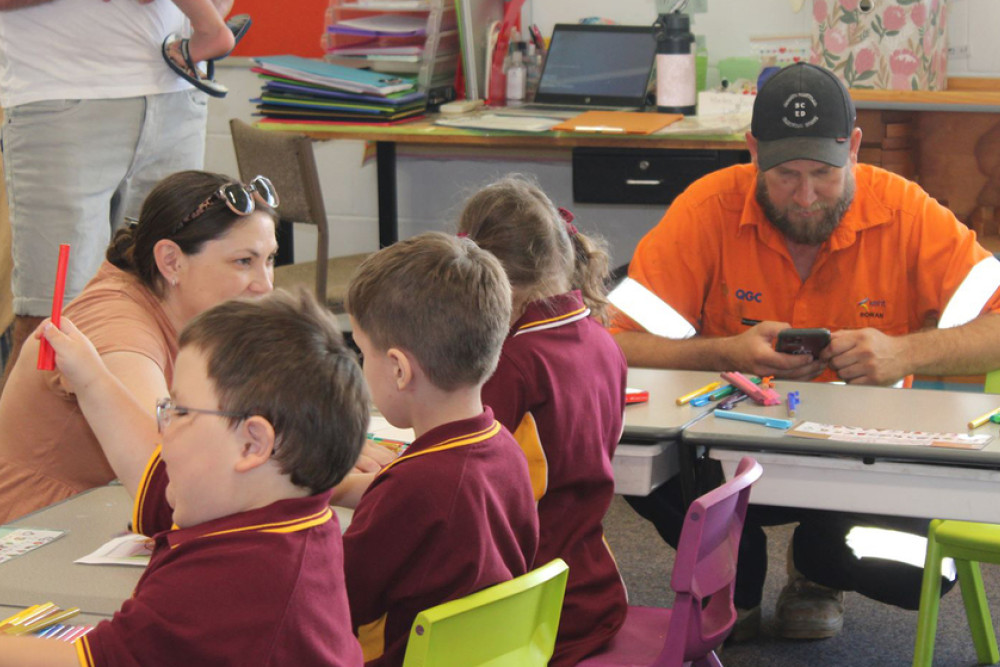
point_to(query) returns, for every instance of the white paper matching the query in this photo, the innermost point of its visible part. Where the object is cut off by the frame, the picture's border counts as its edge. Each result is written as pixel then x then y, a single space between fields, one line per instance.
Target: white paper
pixel 130 549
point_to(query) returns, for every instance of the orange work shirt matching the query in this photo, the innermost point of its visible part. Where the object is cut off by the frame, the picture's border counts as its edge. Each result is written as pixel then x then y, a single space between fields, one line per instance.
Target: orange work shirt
pixel 893 263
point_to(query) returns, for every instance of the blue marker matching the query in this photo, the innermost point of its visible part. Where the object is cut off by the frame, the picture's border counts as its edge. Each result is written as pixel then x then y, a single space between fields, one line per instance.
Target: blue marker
pixel 772 422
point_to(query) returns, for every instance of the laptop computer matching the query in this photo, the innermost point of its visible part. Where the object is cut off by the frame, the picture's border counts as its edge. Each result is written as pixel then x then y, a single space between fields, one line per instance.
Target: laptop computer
pixel 593 67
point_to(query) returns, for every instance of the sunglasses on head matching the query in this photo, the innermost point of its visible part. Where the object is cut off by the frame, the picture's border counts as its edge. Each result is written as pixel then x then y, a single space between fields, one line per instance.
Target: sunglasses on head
pixel 239 198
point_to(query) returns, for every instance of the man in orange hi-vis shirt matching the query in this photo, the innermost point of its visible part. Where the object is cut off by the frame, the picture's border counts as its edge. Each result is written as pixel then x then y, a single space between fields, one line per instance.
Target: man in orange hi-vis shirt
pixel 807 237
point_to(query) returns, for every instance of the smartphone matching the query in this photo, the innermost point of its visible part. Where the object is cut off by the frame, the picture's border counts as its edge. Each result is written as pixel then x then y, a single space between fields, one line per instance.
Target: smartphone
pixel 802 341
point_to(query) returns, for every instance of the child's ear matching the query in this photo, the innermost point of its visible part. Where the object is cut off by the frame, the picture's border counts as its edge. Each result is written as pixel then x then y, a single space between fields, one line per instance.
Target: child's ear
pixel 402 367
pixel 169 260
pixel 258 443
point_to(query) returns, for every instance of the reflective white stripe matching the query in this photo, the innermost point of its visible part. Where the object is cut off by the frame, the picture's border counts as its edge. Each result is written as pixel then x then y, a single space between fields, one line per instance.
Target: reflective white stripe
pixel 970 297
pixel 649 311
pixel 894 545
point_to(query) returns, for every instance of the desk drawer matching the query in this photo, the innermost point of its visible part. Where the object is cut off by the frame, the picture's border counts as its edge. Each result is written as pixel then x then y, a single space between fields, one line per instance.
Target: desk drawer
pixel 642 176
pixel 641 468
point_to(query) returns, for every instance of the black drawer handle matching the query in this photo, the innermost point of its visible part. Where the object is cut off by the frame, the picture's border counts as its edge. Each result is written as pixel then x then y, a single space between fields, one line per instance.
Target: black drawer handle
pixel 643 181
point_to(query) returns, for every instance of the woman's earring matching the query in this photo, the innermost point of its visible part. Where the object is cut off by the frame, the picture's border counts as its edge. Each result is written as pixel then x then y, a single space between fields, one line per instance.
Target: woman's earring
pixel 173 282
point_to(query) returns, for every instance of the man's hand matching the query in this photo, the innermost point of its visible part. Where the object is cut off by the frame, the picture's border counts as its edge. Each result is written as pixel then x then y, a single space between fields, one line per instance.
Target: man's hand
pixel 753 352
pixel 866 356
pixel 76 357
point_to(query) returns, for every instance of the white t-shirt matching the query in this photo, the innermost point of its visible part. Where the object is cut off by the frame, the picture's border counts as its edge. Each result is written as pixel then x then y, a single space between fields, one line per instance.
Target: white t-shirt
pixel 86 49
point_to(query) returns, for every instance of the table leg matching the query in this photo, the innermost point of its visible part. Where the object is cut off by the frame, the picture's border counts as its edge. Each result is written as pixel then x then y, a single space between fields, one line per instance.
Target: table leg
pixel 388 222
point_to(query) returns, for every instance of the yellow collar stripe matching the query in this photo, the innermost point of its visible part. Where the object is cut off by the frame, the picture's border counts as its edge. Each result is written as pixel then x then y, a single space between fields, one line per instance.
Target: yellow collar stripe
pixel 459 441
pixel 564 316
pixel 140 494
pixel 289 526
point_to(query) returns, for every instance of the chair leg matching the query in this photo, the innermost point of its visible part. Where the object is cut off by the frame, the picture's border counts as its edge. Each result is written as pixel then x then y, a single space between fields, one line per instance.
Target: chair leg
pixel 978 611
pixel 710 660
pixel 930 594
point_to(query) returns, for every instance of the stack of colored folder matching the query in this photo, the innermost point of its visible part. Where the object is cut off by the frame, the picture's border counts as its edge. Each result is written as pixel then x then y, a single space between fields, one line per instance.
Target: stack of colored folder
pixel 301 89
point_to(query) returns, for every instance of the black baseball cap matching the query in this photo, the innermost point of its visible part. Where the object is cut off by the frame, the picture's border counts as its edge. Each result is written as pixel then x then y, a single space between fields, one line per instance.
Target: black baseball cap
pixel 803 112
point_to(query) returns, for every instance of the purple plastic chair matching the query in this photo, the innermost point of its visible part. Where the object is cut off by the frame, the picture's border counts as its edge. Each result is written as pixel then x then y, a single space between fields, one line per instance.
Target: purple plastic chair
pixel 703 580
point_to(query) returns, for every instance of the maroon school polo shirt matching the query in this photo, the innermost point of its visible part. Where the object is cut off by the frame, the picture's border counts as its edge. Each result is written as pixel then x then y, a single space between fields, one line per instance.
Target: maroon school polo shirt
pixel 560 388
pixel 451 516
pixel 263 587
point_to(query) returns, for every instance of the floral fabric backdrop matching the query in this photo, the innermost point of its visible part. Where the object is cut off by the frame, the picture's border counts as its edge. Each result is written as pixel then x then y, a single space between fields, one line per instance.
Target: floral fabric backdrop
pixel 896 44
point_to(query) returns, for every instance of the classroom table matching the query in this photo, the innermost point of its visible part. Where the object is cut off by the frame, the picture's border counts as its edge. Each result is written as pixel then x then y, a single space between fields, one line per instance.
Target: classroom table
pixel 425 133
pixel 903 480
pixel 649 452
pixel 48 573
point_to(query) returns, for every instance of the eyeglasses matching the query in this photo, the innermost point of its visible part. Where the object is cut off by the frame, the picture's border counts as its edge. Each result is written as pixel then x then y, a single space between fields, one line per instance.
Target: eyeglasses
pixel 239 198
pixel 166 409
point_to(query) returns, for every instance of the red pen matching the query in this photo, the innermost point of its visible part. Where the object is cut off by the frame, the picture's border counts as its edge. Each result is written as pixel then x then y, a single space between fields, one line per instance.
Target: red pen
pixel 46 355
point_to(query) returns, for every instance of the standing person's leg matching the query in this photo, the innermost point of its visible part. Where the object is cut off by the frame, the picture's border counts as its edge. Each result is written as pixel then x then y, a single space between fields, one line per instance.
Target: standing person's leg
pixel 171 139
pixel 63 162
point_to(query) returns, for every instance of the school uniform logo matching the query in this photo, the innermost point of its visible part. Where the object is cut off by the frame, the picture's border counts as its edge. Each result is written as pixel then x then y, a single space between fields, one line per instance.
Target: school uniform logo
pixel 869 308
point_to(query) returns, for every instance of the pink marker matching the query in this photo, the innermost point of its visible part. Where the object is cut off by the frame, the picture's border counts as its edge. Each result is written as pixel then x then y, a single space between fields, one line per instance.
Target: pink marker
pixel 46 355
pixel 760 395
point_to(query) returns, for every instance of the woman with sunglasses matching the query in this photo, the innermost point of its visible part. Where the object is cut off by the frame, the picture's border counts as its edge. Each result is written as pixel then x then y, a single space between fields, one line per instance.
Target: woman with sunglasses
pixel 201 239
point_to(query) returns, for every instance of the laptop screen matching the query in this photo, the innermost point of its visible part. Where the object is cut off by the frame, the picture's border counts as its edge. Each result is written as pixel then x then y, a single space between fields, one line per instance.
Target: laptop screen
pixel 597 65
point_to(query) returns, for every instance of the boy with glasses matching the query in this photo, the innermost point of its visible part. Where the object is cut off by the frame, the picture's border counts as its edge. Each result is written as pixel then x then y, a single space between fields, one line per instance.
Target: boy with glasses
pixel 268 411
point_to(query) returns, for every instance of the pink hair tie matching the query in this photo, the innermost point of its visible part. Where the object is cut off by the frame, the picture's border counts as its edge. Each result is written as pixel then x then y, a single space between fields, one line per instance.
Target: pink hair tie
pixel 462 235
pixel 568 218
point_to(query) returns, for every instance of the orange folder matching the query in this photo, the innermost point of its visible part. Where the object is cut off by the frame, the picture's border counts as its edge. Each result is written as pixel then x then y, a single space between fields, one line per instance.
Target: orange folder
pixel 618 122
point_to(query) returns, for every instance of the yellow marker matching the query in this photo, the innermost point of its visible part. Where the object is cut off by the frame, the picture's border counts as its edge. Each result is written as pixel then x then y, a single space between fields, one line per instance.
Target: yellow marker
pixel 979 421
pixel 704 390
pixel 49 620
pixel 16 618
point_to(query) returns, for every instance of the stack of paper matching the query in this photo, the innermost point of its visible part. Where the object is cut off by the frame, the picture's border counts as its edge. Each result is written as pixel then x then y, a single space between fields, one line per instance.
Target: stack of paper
pixel 301 89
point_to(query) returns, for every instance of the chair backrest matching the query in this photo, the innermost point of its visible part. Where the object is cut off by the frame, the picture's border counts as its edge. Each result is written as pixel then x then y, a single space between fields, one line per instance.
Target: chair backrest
pixel 991 384
pixel 287 159
pixel 513 624
pixel 704 573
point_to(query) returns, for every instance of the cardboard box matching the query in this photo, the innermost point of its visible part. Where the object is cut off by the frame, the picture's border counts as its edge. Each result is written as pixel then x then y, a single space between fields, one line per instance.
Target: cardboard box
pixel 896 44
pixel 640 468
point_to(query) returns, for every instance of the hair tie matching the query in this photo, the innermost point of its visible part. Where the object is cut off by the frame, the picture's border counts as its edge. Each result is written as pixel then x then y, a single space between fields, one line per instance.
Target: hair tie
pixel 462 235
pixel 568 218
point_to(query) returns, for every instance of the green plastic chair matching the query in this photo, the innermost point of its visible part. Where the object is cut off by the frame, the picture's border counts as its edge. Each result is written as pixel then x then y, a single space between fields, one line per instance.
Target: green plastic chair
pixel 513 624
pixel 969 544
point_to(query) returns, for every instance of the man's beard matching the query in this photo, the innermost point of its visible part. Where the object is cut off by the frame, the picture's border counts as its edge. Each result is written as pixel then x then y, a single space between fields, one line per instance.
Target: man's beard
pixel 813 232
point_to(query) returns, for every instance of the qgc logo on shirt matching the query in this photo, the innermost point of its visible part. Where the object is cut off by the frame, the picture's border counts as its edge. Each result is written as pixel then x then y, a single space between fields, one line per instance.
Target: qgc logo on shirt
pixel 749 295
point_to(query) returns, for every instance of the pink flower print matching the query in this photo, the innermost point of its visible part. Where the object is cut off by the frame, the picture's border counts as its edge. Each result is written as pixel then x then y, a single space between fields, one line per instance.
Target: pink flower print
pixel 849 5
pixel 918 14
pixel 894 18
pixel 864 60
pixel 903 64
pixel 819 11
pixel 835 41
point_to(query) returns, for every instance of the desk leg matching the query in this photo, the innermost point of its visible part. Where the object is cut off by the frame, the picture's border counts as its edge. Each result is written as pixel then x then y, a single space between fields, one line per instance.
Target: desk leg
pixel 388 222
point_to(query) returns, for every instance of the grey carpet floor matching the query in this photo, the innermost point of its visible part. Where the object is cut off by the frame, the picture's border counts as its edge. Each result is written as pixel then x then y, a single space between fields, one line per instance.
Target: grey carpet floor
pixel 874 633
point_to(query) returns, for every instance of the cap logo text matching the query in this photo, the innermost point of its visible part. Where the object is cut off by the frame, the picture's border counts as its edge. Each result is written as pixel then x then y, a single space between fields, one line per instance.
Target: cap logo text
pixel 800 111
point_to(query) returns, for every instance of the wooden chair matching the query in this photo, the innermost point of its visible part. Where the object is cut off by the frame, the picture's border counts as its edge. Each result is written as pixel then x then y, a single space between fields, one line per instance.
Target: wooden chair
pixel 511 624
pixel 703 580
pixel 287 159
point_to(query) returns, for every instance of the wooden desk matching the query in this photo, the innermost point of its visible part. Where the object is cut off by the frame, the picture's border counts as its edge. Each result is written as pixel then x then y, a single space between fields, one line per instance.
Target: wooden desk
pixel 888 479
pixel 425 133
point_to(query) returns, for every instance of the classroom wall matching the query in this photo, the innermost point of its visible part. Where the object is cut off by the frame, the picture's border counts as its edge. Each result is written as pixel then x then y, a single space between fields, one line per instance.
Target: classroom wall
pixel 432 184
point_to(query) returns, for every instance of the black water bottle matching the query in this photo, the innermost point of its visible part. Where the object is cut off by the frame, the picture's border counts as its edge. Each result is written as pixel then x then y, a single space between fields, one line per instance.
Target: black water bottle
pixel 675 70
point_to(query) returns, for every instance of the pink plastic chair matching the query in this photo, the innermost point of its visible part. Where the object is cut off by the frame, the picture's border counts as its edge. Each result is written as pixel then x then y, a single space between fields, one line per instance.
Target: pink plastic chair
pixel 703 580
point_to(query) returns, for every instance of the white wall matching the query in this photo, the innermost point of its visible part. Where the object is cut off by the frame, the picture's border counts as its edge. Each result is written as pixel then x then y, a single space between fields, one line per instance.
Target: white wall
pixel 432 184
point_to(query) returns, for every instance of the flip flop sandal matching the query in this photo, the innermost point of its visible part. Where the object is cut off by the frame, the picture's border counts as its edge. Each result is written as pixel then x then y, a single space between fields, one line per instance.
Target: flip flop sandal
pixel 238 25
pixel 189 70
